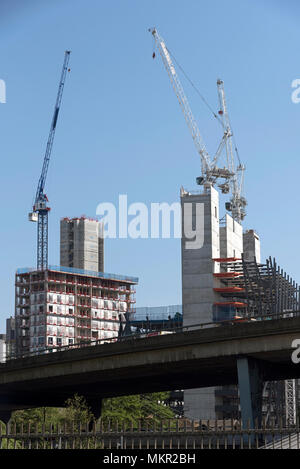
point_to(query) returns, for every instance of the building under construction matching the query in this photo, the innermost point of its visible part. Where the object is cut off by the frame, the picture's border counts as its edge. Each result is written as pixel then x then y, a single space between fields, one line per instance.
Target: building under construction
pixel 222 277
pixel 223 281
pixel 63 306
pixel 254 290
pixel 82 243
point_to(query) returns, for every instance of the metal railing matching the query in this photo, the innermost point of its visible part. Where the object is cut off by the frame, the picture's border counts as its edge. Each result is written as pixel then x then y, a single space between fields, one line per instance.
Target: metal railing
pixel 87 273
pixel 142 335
pixel 147 434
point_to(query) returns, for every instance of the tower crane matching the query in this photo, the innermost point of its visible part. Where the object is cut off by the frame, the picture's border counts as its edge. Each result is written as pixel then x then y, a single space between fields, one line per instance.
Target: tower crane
pixel 41 209
pixel 211 173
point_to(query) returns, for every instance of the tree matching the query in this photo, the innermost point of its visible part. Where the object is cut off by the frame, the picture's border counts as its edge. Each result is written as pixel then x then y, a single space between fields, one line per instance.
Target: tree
pixel 132 409
pixel 77 410
pixel 126 410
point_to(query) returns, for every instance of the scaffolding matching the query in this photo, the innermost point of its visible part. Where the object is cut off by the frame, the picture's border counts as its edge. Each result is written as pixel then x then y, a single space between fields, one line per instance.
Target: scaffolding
pixel 65 306
pixel 260 291
pixel 257 290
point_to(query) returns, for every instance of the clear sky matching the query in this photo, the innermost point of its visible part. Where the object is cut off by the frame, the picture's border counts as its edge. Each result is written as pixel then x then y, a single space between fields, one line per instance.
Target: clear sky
pixel 121 131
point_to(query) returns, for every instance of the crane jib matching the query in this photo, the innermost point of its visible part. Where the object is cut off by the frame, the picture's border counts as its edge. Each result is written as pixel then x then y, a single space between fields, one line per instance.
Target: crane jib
pixel 55 118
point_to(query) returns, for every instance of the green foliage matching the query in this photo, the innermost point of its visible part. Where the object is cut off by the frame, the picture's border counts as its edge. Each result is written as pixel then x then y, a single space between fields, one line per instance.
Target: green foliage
pixel 77 410
pixel 8 443
pixel 139 411
pixel 37 418
pixel 131 409
pixel 126 410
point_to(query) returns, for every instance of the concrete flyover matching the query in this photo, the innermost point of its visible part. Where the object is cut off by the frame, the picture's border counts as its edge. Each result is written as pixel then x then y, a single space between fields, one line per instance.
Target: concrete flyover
pixel 198 358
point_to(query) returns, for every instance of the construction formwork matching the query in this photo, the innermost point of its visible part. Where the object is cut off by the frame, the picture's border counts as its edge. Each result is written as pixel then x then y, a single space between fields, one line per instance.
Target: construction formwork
pixel 65 306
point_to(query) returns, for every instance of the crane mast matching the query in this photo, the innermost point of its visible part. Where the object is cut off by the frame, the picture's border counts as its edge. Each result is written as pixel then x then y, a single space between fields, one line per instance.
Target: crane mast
pixel 237 202
pixel 41 209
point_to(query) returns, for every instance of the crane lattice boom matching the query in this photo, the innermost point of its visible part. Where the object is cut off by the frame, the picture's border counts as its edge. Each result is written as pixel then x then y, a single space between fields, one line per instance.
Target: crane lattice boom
pixel 210 172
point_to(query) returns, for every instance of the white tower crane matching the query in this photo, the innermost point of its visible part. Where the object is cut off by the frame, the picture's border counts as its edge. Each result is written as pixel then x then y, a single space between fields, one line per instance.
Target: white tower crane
pixel 233 178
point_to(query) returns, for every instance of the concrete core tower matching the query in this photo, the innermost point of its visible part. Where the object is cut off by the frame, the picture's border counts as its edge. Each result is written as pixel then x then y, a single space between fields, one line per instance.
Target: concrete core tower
pixel 198 281
pixel 82 244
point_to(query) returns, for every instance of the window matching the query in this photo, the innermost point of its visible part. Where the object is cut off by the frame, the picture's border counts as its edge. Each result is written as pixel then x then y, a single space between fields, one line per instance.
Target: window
pixel 70 311
pixel 50 340
pixel 70 341
pixel 50 308
pixel 58 341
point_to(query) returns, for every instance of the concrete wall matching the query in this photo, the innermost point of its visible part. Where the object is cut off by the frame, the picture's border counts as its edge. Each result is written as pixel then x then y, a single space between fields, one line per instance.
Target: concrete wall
pixel 251 245
pixel 82 244
pixel 231 238
pixel 197 265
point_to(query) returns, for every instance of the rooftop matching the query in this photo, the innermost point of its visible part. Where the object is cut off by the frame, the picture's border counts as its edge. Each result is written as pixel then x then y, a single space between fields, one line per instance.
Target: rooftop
pixel 87 273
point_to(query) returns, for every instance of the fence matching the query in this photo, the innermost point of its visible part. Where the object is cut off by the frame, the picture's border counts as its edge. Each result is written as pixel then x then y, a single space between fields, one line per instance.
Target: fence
pixel 172 434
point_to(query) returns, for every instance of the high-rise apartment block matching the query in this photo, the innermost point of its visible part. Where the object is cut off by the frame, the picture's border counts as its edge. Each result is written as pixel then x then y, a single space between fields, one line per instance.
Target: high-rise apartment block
pixel 82 244
pixel 63 306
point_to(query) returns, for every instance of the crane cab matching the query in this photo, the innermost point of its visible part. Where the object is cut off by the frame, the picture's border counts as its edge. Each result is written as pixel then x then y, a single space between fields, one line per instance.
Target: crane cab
pixel 33 216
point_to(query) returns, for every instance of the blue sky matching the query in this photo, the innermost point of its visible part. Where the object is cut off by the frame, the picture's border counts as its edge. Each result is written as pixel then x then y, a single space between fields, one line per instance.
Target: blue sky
pixel 121 130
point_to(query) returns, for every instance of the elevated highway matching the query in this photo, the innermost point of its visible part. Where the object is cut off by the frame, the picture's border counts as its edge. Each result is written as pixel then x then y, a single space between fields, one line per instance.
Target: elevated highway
pixel 253 351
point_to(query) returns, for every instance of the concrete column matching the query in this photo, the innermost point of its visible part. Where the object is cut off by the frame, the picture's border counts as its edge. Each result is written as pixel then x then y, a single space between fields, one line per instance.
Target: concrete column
pixel 96 406
pixel 198 282
pixel 251 388
pixel 5 416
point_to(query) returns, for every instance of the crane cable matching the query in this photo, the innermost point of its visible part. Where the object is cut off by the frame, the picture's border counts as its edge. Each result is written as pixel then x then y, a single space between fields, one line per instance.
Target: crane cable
pixel 195 87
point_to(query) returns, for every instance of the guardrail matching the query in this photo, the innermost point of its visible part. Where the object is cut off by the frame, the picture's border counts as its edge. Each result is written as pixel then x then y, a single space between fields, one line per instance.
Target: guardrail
pixel 176 330
pixel 73 270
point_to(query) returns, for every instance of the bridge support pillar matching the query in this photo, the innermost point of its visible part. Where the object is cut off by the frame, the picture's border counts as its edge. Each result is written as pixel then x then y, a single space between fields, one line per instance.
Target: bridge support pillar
pixel 251 388
pixel 95 406
pixel 5 416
